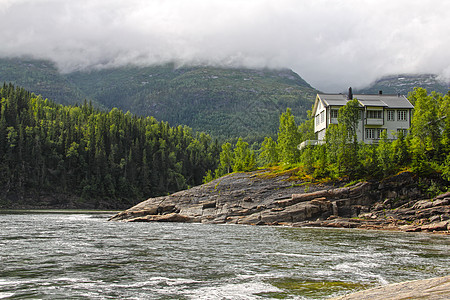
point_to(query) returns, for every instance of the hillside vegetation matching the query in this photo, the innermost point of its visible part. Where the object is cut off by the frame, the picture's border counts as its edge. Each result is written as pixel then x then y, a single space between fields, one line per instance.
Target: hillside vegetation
pixel 76 156
pixel 42 78
pixel 224 102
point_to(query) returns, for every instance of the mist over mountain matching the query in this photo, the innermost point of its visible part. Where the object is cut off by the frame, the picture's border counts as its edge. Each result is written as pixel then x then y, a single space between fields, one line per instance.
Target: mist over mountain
pixel 226 102
pixel 405 83
pixel 331 44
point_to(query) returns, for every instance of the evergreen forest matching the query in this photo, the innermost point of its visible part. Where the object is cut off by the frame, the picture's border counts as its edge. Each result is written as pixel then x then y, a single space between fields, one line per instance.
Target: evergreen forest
pixel 78 156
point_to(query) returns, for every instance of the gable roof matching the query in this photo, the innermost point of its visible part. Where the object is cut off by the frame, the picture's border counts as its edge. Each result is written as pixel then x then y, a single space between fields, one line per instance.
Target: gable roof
pixel 388 101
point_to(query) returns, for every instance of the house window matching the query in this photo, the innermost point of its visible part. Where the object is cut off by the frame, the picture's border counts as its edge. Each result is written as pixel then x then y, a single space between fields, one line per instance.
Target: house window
pixel 317 120
pixel 322 116
pixel 391 115
pixel 334 113
pixel 374 114
pixel 370 133
pixel 401 115
pixel 374 133
pixel 402 131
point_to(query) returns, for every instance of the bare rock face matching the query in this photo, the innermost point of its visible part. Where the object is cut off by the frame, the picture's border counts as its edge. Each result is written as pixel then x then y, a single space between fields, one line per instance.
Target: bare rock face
pixel 428 289
pixel 259 198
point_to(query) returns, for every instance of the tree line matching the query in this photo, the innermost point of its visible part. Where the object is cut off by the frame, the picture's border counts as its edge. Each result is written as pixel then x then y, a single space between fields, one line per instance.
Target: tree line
pixel 114 157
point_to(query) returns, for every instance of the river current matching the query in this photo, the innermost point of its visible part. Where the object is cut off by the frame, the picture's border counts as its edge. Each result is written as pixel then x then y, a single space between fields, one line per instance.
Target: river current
pixel 83 256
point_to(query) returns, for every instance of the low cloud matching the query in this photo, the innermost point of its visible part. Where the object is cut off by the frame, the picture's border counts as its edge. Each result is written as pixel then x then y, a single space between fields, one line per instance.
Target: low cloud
pixel 331 44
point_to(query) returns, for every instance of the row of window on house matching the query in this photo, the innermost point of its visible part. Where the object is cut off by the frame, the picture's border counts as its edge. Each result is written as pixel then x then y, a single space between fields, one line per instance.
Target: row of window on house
pixel 402 115
pixel 375 133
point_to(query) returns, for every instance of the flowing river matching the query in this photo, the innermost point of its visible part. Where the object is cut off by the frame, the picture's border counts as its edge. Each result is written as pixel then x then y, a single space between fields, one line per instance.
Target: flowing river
pixel 48 255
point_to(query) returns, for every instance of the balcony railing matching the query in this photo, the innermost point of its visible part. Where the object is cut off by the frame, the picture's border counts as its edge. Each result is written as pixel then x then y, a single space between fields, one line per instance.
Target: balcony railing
pixel 374 122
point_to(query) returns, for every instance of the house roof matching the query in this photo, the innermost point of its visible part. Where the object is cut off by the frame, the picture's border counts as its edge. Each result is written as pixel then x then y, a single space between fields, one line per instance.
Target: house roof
pixel 388 101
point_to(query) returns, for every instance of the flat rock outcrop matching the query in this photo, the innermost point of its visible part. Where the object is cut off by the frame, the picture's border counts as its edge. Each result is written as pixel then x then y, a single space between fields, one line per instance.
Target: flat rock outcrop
pixel 427 289
pixel 261 198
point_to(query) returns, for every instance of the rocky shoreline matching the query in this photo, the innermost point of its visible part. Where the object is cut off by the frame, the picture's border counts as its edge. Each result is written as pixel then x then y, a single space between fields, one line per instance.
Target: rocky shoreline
pixel 263 198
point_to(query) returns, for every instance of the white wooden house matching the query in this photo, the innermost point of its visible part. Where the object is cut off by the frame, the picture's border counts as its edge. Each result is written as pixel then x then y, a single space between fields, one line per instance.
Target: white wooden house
pixel 379 112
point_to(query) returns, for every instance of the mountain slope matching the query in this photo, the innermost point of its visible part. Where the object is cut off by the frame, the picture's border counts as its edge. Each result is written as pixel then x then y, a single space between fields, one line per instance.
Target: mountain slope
pixel 405 83
pixel 224 102
pixel 40 77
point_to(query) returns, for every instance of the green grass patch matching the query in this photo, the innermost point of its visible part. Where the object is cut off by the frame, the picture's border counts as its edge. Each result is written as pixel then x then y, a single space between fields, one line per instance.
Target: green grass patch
pixel 353 182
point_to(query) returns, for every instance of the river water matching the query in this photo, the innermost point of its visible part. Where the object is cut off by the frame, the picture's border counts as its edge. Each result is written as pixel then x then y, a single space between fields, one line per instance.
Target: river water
pixel 83 256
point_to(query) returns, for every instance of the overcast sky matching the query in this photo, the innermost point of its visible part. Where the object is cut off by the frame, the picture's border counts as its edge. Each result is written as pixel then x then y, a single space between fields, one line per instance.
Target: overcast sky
pixel 332 44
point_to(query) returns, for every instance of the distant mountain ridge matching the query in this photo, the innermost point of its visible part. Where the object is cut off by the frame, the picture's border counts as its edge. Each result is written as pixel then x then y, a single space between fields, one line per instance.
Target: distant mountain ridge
pixel 226 102
pixel 405 83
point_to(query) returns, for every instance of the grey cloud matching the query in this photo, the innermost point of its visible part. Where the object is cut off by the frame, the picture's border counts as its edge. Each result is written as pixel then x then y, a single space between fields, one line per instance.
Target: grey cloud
pixel 332 44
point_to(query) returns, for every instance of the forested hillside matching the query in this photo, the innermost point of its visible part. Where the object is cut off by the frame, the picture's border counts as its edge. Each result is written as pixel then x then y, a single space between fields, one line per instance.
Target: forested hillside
pixel 224 102
pixel 42 78
pixel 97 159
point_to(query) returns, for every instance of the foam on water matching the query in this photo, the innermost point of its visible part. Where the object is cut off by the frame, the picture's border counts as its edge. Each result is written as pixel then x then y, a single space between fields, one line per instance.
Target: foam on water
pixel 7 282
pixel 287 254
pixel 153 281
pixel 238 291
pixel 6 295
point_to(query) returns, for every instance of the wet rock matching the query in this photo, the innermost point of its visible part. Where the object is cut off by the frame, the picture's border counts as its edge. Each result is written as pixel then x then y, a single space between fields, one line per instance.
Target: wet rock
pixel 410 228
pixel 436 218
pixel 378 206
pixel 427 289
pixel 211 204
pixel 441 202
pixel 171 217
pixel 341 223
pixel 444 195
pixel 254 198
pixel 423 204
pixel 436 226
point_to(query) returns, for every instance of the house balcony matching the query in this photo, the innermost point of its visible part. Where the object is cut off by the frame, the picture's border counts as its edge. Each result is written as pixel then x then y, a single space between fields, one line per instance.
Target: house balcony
pixel 374 122
pixel 309 143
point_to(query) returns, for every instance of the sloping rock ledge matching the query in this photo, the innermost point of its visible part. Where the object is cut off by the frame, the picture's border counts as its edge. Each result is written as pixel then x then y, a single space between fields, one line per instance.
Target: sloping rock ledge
pixel 427 289
pixel 257 198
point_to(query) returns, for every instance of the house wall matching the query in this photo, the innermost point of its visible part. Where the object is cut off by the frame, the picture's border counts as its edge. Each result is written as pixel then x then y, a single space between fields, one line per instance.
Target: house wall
pixel 400 121
pixel 320 119
pixel 321 134
pixel 392 126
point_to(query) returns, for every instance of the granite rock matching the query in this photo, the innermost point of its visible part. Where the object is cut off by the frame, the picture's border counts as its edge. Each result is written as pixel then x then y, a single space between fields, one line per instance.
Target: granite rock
pixel 263 199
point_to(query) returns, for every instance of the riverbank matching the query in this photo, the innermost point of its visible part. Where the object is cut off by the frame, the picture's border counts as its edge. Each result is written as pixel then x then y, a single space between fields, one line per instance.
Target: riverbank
pixel 262 198
pixel 428 289
pixel 48 200
pixel 57 211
